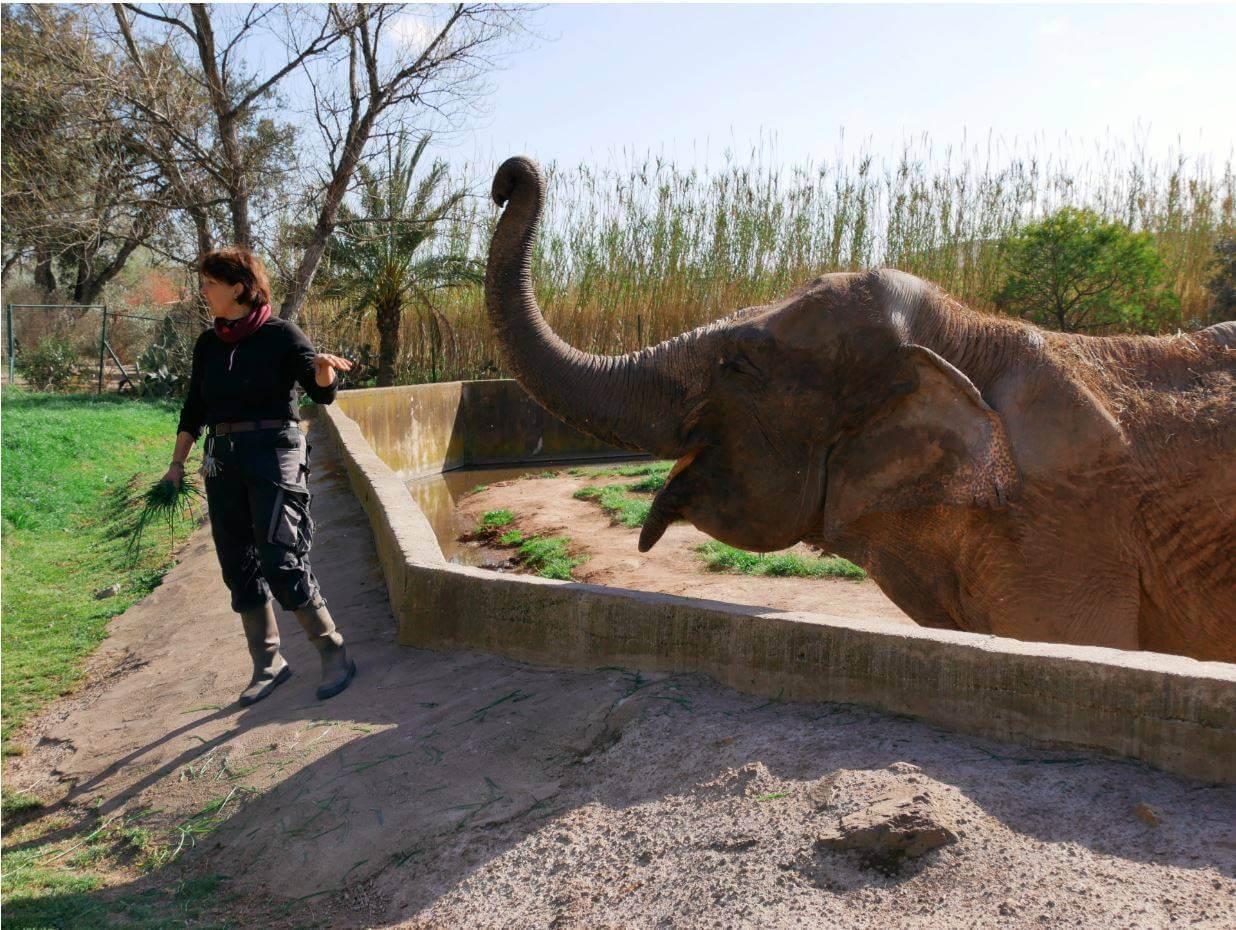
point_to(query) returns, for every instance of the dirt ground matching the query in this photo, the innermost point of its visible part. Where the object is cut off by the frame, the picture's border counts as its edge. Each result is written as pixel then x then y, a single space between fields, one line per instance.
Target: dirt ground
pixel 463 790
pixel 544 507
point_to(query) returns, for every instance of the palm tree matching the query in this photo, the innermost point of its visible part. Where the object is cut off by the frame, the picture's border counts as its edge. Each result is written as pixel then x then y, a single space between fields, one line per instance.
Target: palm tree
pixel 376 257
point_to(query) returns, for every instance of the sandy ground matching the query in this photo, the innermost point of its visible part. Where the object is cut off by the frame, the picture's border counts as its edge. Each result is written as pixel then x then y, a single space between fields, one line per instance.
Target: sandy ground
pixel 544 507
pixel 462 790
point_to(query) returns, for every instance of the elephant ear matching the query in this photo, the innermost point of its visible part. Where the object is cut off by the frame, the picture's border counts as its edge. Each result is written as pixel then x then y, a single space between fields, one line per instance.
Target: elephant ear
pixel 931 441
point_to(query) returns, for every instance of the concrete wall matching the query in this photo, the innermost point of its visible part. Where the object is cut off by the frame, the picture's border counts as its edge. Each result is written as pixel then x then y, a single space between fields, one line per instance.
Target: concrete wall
pixel 1174 713
pixel 431 428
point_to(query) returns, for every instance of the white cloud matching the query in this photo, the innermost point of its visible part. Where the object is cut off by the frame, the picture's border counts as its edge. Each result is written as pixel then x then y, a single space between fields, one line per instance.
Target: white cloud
pixel 1050 28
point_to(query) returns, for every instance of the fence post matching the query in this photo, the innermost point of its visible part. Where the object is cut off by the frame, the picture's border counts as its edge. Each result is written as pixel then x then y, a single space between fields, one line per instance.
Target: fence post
pixel 8 329
pixel 102 349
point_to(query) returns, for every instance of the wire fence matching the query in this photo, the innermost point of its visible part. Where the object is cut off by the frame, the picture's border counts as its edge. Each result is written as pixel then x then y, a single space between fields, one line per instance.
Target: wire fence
pixel 84 346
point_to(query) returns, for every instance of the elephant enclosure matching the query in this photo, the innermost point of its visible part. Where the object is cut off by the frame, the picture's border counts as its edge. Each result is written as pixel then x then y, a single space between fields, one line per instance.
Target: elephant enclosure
pixel 454 789
pixel 545 507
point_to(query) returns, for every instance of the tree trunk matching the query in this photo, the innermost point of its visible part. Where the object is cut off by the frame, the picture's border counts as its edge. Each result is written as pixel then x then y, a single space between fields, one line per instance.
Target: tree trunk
pixel 237 188
pixel 44 275
pixel 389 317
pixel 327 217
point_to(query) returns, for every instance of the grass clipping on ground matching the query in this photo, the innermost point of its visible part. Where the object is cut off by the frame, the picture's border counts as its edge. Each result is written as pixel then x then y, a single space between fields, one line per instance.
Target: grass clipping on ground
pixel 546 556
pixel 722 558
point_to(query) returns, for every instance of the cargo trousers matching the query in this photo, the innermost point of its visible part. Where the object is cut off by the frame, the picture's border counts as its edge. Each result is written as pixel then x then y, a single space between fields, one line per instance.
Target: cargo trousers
pixel 257 495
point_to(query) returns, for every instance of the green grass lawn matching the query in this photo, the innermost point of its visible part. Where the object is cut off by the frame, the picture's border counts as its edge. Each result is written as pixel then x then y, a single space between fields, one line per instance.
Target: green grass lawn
pixel 64 459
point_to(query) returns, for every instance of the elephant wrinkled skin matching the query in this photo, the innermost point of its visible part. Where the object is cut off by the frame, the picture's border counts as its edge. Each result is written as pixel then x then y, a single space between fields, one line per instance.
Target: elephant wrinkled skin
pixel 989 475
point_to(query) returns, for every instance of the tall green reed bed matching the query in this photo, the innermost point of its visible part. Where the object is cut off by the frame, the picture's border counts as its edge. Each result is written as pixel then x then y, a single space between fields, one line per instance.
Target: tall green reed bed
pixel 632 254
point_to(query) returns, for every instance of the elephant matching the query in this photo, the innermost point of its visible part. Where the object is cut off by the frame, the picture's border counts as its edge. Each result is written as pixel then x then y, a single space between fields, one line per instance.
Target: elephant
pixel 989 475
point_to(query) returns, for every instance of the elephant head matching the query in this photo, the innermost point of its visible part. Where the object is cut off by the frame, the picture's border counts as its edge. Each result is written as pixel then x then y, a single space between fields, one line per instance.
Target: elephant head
pixel 791 421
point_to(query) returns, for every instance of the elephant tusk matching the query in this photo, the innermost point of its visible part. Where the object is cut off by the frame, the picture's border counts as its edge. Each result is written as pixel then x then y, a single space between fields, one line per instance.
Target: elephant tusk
pixel 658 521
pixel 667 505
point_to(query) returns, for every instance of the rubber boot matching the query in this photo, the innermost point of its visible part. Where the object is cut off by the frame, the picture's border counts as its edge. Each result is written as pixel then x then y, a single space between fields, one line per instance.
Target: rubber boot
pixel 270 669
pixel 337 669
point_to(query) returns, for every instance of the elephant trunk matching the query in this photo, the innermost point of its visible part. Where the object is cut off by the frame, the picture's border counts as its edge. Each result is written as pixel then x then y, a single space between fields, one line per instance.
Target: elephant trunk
pixel 640 401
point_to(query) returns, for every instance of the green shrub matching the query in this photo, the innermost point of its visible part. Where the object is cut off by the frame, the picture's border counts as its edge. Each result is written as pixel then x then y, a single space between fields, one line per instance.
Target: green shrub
pixel 1222 283
pixel 1076 272
pixel 52 363
pixel 166 364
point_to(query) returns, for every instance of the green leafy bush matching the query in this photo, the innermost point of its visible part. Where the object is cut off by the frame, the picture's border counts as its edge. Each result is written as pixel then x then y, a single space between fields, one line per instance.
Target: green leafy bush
pixel 1076 272
pixel 51 364
pixel 1222 283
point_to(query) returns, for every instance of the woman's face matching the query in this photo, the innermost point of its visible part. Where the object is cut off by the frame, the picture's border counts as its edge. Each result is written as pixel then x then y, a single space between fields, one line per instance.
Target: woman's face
pixel 221 296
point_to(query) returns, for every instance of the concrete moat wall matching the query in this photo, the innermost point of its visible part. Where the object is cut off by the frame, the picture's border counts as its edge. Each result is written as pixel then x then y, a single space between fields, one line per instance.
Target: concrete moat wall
pixel 1171 712
pixel 429 428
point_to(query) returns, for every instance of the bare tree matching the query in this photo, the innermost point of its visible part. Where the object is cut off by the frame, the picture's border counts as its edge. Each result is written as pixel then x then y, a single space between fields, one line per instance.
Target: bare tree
pixel 233 95
pixel 201 129
pixel 77 192
pixel 430 68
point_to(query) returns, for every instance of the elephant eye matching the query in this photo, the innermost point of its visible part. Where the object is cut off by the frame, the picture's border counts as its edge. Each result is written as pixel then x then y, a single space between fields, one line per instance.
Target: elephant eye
pixel 741 365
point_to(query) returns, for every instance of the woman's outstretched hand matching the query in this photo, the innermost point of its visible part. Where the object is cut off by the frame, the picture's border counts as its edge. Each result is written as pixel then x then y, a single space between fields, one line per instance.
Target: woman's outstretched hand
pixel 324 366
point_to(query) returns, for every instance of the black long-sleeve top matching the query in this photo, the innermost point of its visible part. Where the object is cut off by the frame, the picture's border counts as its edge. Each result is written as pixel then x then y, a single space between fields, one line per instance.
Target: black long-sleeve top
pixel 254 379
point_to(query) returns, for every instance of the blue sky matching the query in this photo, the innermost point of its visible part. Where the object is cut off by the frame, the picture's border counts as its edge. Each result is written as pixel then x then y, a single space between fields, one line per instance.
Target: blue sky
pixel 689 80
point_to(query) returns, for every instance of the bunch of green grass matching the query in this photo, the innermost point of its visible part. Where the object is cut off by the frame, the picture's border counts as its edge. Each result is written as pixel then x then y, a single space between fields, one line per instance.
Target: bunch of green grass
pixel 549 557
pixel 637 470
pixel 618 503
pixel 493 520
pixel 137 508
pixel 654 482
pixel 722 558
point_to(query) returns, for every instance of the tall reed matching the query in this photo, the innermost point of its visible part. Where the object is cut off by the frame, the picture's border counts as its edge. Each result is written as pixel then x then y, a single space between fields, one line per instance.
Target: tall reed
pixel 633 253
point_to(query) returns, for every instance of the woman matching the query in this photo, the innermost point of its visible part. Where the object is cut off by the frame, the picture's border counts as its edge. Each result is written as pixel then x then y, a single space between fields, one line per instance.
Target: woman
pixel 256 464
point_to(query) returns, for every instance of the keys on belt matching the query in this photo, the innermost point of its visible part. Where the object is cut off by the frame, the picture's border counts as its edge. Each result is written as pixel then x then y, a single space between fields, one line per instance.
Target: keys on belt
pixel 240 426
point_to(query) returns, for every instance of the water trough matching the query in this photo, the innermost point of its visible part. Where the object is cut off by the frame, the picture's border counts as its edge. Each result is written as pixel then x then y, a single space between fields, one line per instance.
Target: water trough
pixel 1173 713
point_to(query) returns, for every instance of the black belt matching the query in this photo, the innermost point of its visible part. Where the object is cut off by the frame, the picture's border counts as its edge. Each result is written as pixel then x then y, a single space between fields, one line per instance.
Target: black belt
pixel 240 426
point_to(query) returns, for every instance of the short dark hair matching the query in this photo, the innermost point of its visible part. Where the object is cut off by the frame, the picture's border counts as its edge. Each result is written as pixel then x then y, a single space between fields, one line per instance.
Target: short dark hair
pixel 238 265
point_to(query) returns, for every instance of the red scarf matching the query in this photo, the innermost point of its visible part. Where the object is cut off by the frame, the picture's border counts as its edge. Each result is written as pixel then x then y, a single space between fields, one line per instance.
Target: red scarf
pixel 236 330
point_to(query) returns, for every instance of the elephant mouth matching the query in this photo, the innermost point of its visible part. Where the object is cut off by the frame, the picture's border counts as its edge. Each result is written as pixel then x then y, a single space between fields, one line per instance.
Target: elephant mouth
pixel 669 503
pixel 672 500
